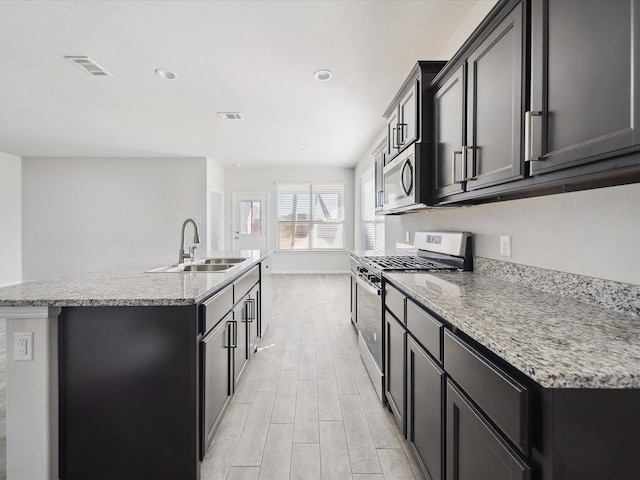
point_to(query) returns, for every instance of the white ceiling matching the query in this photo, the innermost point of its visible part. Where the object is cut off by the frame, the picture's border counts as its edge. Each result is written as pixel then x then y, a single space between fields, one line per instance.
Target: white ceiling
pixel 253 57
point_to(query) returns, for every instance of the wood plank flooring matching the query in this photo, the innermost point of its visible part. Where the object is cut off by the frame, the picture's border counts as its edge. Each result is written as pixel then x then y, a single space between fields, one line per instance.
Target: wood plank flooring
pixel 3 399
pixel 306 408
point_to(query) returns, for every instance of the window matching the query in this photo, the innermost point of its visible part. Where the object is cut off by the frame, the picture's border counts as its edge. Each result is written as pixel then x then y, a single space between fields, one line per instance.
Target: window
pixel 310 216
pixel 372 224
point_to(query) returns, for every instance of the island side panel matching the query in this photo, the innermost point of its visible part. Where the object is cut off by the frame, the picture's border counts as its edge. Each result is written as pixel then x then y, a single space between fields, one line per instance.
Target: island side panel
pixel 128 393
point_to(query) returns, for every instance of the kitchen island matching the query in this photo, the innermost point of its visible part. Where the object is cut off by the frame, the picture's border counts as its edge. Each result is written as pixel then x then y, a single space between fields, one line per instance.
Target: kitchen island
pixel 120 349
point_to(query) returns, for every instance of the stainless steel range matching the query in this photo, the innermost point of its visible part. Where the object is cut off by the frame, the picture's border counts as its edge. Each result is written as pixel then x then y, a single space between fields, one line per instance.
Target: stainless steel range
pixel 434 251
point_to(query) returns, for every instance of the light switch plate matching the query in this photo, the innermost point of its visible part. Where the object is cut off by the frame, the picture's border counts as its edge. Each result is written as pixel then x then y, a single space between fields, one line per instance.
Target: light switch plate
pixel 505 245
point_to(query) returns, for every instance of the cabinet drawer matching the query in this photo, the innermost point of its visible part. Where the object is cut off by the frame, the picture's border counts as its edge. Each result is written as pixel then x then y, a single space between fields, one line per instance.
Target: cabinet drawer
pixel 394 301
pixel 502 399
pixel 426 329
pixel 245 283
pixel 215 308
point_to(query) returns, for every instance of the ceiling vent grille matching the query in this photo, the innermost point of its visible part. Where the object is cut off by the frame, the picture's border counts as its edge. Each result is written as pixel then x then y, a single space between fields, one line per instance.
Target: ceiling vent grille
pixel 230 115
pixel 88 65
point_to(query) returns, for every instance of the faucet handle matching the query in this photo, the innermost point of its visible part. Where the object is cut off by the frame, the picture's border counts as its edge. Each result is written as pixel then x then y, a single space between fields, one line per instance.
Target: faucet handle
pixel 192 252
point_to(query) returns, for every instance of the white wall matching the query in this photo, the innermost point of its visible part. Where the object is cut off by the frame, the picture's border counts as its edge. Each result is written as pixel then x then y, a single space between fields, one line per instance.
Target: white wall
pixel 593 232
pixel 215 185
pixel 262 180
pixel 83 214
pixel 10 219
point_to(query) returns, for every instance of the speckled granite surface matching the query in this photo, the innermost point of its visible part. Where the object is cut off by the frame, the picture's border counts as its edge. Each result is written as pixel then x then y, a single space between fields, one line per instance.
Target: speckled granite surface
pixel 617 296
pixel 557 341
pixel 126 286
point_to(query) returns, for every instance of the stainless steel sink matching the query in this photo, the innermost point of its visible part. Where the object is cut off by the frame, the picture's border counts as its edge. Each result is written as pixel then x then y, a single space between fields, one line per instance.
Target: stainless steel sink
pixel 207 267
pixel 203 265
pixel 223 260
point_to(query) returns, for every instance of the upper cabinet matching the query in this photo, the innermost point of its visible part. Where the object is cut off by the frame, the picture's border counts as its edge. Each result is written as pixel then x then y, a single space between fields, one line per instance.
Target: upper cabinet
pixel 478 112
pixel 584 82
pixel 542 98
pixel 406 114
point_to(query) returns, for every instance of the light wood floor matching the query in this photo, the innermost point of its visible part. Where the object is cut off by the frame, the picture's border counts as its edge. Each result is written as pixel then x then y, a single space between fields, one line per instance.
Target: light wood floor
pixel 3 399
pixel 306 408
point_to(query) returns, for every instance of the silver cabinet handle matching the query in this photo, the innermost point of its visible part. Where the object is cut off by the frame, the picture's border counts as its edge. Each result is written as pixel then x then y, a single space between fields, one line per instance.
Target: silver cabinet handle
pixel 233 335
pixel 453 165
pixel 465 162
pixel 528 135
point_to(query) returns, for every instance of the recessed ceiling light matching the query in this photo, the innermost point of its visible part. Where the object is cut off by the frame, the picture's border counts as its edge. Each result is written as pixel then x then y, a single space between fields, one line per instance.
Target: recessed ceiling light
pixel 166 74
pixel 303 145
pixel 322 75
pixel 236 165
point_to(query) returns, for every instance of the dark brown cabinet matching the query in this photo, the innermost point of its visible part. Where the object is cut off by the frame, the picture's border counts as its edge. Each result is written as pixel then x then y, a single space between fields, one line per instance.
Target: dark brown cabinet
pixel 475 450
pixel 394 364
pixel 240 339
pixel 252 318
pixel 584 82
pixel 478 113
pixel 424 412
pixel 216 386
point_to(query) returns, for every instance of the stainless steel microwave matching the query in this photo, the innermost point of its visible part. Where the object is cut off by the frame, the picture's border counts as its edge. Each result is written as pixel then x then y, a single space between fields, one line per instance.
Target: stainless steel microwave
pixel 400 182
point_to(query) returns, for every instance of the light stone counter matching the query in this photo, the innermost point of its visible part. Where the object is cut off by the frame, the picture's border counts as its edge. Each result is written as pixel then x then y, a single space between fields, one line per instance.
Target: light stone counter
pixel 558 342
pixel 129 285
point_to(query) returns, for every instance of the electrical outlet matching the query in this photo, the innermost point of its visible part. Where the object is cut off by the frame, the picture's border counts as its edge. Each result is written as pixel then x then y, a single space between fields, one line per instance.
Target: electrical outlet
pixel 505 245
pixel 23 346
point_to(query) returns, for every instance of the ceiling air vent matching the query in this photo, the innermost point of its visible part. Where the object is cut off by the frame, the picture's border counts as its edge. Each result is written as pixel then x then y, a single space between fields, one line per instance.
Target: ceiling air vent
pixel 230 115
pixel 88 65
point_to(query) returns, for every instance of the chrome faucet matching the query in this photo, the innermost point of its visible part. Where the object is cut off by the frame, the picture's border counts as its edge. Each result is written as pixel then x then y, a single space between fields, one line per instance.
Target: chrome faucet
pixel 196 239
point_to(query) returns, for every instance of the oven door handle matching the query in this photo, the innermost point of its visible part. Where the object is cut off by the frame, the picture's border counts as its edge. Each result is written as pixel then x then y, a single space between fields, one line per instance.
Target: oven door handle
pixel 370 288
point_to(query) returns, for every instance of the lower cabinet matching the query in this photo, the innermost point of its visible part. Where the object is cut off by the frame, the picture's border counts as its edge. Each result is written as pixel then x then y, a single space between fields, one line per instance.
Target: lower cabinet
pixel 475 451
pixel 240 340
pixel 252 318
pixel 394 345
pixel 424 413
pixel 217 370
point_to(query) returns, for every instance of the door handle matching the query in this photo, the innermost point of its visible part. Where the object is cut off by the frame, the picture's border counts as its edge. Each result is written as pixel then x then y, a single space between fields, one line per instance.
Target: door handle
pixel 453 165
pixel 465 162
pixel 528 135
pixel 233 334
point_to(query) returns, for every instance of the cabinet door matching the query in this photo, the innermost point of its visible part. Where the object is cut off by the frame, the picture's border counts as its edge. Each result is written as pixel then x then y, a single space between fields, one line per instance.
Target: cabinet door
pixel 354 296
pixel 392 135
pixel 252 318
pixel 449 115
pixel 379 181
pixel 584 81
pixel 216 379
pixel 240 340
pixel 425 388
pixel 494 108
pixel 394 363
pixel 408 126
pixel 475 451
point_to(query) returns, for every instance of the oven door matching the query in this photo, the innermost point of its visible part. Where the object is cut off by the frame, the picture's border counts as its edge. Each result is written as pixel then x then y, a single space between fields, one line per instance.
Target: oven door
pixel 369 324
pixel 400 181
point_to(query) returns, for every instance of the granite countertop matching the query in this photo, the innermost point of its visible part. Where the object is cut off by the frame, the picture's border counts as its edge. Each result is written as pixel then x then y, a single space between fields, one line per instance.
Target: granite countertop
pixel 558 342
pixel 130 285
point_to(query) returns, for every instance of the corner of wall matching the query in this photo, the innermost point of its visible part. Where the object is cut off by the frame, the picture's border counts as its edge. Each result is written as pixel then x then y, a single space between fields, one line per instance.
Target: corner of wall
pixel 10 219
